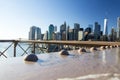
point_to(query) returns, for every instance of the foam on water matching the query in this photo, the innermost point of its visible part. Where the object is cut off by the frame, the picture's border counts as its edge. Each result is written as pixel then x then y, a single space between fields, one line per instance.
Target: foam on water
pixel 109 76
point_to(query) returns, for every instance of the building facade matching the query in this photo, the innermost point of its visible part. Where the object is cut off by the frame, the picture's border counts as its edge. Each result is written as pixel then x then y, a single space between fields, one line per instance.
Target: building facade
pixel 118 28
pixel 35 33
pixel 76 30
pixel 97 31
pixel 105 32
pixel 63 31
pixel 50 32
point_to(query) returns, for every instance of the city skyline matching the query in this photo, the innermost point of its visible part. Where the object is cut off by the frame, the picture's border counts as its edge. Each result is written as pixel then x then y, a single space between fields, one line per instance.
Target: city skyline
pixel 17 16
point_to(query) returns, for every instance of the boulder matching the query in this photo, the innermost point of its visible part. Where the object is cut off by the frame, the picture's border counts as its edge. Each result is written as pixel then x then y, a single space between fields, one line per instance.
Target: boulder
pixel 102 47
pixel 31 57
pixel 81 50
pixel 64 52
pixel 107 47
pixel 93 49
pixel 111 46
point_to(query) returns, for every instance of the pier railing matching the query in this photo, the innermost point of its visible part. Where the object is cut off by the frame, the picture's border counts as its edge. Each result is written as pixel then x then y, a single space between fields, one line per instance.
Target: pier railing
pixel 58 44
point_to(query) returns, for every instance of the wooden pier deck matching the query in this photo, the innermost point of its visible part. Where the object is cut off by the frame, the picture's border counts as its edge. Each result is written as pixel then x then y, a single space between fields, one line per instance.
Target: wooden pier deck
pixel 58 43
pixel 81 43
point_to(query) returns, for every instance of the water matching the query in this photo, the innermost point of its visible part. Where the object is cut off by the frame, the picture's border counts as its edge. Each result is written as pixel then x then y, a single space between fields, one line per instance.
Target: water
pixel 10 51
pixel 98 65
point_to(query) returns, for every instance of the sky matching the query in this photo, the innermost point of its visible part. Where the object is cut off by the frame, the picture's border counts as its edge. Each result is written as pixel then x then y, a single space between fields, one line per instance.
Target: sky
pixel 17 16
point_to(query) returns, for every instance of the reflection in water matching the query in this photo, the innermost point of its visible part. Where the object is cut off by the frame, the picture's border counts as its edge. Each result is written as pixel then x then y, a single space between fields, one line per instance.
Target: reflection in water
pixel 103 56
pixel 117 55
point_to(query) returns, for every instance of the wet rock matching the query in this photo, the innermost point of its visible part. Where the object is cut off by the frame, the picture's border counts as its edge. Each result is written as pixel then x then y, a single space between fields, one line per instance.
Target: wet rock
pixel 117 46
pixel 107 47
pixel 93 49
pixel 102 47
pixel 31 57
pixel 64 52
pixel 111 46
pixel 82 50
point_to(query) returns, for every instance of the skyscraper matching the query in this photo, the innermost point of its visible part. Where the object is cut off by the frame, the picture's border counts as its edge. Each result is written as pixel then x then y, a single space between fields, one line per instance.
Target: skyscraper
pixel 45 37
pixel 97 31
pixel 50 32
pixel 38 33
pixel 35 33
pixel 32 33
pixel 91 26
pixel 76 30
pixel 63 31
pixel 118 28
pixel 105 32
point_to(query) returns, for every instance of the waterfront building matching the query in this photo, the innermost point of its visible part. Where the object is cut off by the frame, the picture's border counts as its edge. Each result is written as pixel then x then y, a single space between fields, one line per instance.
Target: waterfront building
pixel 58 36
pixel 76 30
pixel 55 29
pixel 70 34
pixel 118 28
pixel 45 37
pixel 91 26
pixel 63 31
pixel 87 34
pixel 80 35
pixel 35 33
pixel 32 33
pixel 97 31
pixel 113 34
pixel 105 32
pixel 38 34
pixel 67 32
pixel 50 32
pixel 88 29
pixel 54 36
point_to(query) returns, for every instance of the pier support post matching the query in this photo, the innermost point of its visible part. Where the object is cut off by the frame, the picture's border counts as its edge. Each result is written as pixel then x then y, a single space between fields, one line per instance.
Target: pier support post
pixel 33 51
pixel 15 45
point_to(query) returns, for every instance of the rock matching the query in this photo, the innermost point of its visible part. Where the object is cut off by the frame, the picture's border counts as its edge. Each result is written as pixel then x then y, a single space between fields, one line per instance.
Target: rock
pixel 64 52
pixel 31 57
pixel 111 46
pixel 107 47
pixel 102 47
pixel 93 49
pixel 81 50
pixel 117 46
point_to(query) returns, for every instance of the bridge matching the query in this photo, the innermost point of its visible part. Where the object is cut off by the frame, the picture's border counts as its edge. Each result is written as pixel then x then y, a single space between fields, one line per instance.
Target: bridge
pixel 33 43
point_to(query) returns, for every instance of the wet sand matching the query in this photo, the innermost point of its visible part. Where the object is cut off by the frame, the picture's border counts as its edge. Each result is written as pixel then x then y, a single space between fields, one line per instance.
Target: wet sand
pixel 98 65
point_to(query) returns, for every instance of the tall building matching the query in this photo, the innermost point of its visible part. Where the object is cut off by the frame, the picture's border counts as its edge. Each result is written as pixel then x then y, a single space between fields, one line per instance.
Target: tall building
pixel 70 34
pixel 80 34
pixel 55 29
pixel 45 37
pixel 50 32
pixel 67 32
pixel 38 33
pixel 91 26
pixel 113 34
pixel 35 33
pixel 76 30
pixel 118 28
pixel 105 32
pixel 63 31
pixel 97 31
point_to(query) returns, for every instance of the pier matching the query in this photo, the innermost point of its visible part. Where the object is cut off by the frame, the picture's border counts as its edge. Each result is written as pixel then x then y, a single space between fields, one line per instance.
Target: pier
pixel 33 43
